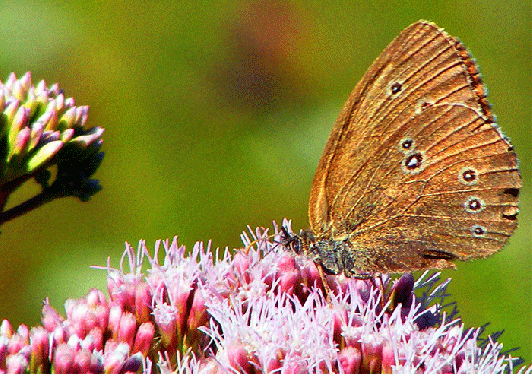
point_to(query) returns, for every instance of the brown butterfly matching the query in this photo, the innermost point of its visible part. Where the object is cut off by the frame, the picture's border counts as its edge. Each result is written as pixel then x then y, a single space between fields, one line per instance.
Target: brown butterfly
pixel 415 173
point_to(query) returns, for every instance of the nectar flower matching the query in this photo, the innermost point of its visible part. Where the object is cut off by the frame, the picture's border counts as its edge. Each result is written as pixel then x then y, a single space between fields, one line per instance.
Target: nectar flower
pixel 263 309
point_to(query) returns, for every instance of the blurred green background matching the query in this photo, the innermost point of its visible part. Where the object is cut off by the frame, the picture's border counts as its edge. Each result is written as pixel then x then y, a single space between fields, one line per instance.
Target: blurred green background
pixel 216 113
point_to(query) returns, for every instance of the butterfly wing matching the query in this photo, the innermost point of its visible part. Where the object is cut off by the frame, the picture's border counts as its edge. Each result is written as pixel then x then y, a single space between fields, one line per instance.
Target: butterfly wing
pixel 415 172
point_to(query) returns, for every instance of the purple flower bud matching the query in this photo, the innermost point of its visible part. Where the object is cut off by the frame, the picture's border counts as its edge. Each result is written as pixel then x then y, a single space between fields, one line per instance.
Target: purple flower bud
pixel 70 102
pixel 239 359
pixel 41 90
pixel 388 359
pixel 25 81
pixel 241 264
pixel 339 321
pixel 312 278
pixel 132 364
pixel 22 142
pixel 54 89
pixel 67 134
pixel 96 365
pixel 100 317
pixel 349 360
pixel 63 362
pixel 94 340
pixel 115 314
pixel 11 81
pixel 4 351
pixel 20 120
pixel 127 329
pixel 274 365
pixel 6 329
pixel 144 338
pixel 83 361
pixel 143 302
pixel 121 291
pixel 11 111
pixel 82 113
pixel 115 359
pixel 50 116
pixel 67 119
pixel 110 346
pixel 36 133
pixel 165 317
pixel 16 343
pixel 77 313
pixel 50 318
pixel 17 90
pixel 402 293
pixel 17 364
pixel 371 356
pixel 40 346
pixel 59 100
pixel 59 336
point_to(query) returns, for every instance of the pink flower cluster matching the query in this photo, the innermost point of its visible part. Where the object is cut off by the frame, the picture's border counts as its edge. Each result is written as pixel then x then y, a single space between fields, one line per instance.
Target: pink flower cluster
pixel 262 310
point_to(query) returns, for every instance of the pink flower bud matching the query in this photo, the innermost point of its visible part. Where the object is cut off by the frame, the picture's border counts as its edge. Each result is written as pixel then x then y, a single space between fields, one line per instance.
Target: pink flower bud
pixel 127 329
pixel 143 301
pixel 64 359
pixel 6 329
pixel 350 360
pixel 40 346
pixel 144 338
pixel 239 359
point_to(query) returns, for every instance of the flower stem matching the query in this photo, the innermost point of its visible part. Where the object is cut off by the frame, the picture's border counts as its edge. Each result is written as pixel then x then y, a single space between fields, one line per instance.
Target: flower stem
pixel 47 195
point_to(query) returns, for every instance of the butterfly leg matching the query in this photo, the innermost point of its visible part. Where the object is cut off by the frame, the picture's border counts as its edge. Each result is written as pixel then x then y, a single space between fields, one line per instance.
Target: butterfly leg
pixel 326 287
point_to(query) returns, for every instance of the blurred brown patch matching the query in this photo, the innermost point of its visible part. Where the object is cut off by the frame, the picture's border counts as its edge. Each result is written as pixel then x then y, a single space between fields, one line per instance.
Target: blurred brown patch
pixel 263 68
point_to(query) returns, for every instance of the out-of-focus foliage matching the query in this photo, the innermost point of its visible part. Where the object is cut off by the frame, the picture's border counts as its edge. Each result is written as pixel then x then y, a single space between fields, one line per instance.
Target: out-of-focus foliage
pixel 216 113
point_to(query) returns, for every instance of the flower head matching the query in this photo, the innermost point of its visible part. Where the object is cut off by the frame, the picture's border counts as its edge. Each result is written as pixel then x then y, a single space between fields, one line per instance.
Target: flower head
pixel 40 127
pixel 262 310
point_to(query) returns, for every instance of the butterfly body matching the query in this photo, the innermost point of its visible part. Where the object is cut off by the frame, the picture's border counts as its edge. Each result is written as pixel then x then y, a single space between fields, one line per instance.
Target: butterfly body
pixel 415 173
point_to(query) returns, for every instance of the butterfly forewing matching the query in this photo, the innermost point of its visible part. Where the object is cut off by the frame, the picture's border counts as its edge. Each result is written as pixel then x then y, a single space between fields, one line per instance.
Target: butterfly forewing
pixel 415 172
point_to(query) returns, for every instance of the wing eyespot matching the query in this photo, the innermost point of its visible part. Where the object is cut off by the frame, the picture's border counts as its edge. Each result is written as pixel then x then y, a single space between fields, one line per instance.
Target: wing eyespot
pixel 395 88
pixel 413 162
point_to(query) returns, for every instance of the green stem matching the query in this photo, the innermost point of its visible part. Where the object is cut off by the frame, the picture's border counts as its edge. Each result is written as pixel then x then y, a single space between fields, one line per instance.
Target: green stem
pixel 35 202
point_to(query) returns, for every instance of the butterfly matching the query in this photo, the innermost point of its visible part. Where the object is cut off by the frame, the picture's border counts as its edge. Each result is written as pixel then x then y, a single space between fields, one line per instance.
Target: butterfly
pixel 416 173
